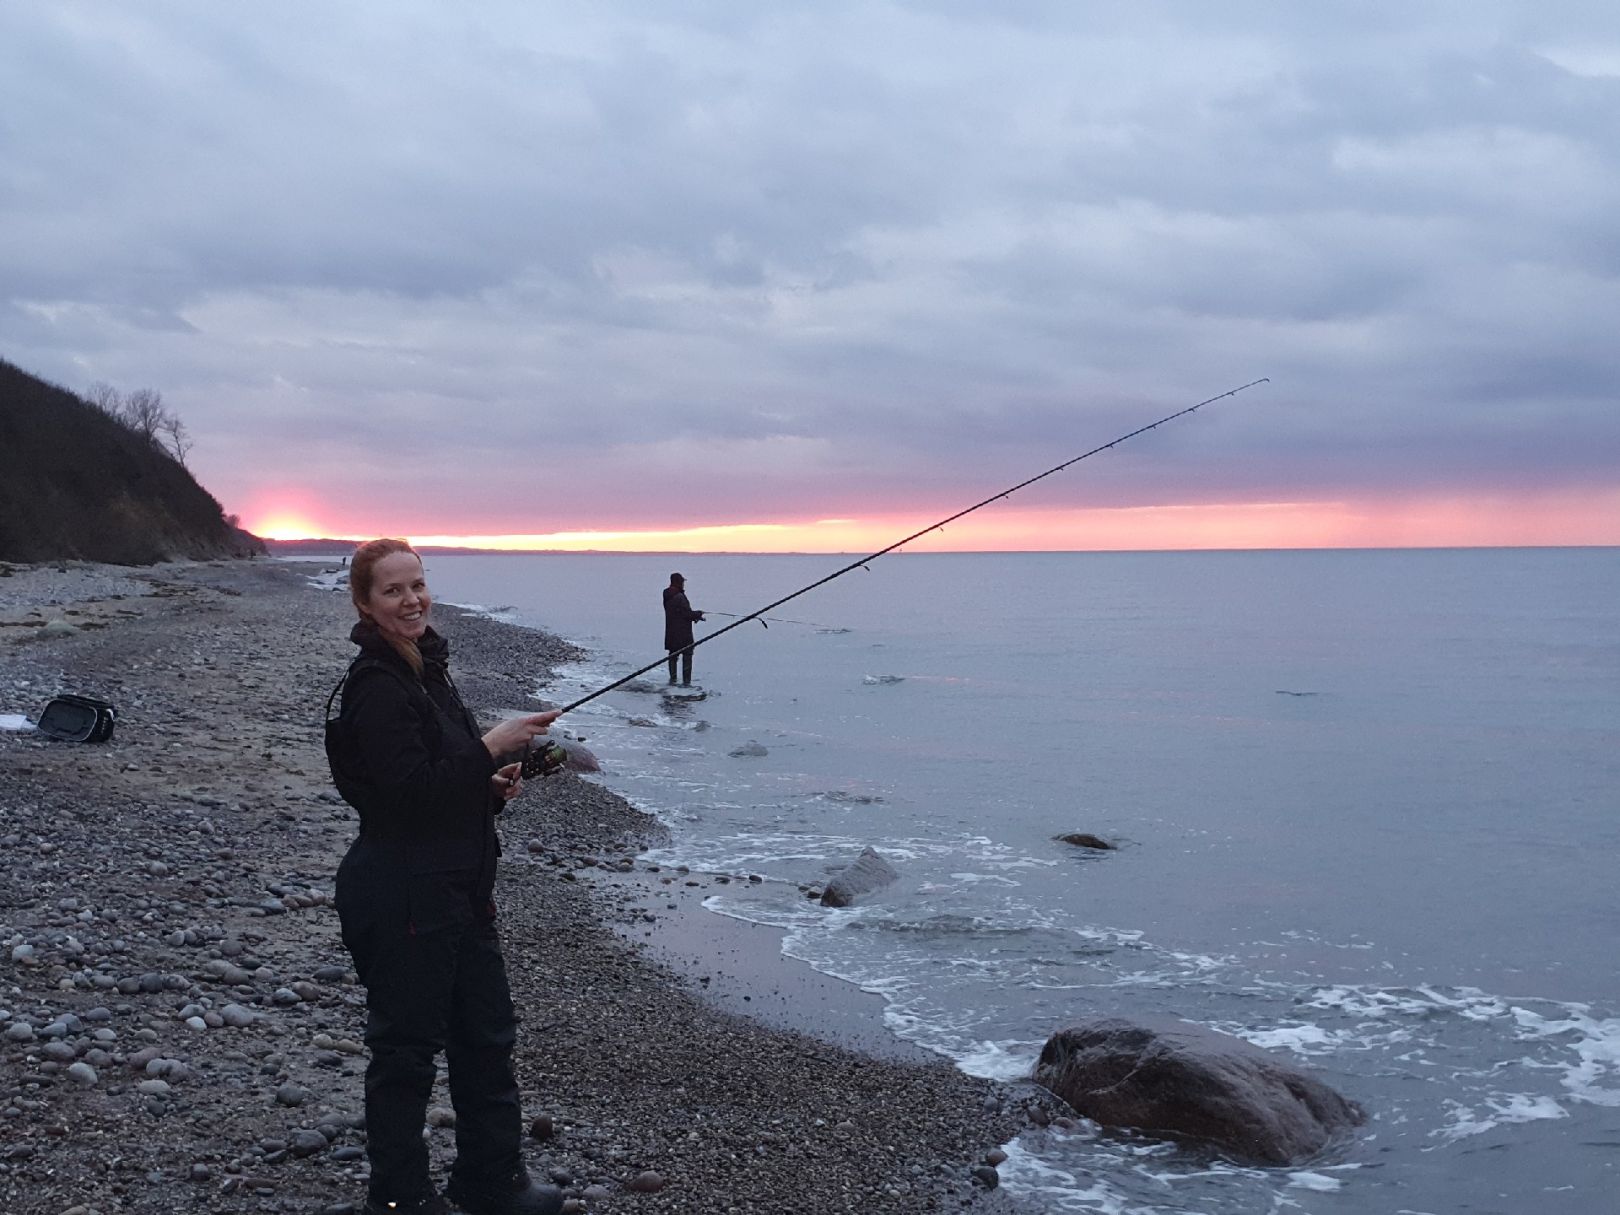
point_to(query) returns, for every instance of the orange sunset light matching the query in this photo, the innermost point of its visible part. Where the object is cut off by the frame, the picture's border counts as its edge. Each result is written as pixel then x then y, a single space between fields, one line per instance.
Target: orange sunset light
pixel 283 527
pixel 1562 518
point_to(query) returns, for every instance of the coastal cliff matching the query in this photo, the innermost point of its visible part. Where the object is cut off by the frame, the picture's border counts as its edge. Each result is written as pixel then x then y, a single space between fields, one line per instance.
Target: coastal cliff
pixel 77 483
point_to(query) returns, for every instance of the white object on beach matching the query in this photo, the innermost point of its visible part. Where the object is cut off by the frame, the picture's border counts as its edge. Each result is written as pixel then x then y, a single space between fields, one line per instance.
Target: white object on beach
pixel 15 721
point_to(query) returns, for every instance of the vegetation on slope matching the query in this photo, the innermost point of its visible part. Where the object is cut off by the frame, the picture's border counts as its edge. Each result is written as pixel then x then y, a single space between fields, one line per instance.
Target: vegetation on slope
pixel 97 483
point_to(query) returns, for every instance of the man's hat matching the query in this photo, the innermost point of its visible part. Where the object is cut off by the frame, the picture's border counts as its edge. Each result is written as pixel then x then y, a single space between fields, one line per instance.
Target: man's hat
pixel 676 578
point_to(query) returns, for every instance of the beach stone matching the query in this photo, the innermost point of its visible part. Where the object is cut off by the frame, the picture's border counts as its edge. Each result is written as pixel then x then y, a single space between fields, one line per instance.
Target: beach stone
pixel 307 1143
pixel 291 1094
pixel 751 749
pixel 869 872
pixel 238 1017
pixel 580 759
pixel 646 1182
pixel 153 1088
pixel 82 1073
pixel 19 1031
pixel 1173 1077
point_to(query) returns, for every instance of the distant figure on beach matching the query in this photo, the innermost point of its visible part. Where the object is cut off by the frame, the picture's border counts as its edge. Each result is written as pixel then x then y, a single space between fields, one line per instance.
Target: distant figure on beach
pixel 414 897
pixel 678 620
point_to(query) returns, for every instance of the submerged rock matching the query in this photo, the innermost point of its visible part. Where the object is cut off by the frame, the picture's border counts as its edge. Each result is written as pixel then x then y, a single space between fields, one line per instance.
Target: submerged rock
pixel 1084 839
pixel 869 872
pixel 1179 1079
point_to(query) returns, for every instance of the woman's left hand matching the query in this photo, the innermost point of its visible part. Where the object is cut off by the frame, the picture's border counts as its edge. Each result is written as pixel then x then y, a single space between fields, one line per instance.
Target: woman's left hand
pixel 507 782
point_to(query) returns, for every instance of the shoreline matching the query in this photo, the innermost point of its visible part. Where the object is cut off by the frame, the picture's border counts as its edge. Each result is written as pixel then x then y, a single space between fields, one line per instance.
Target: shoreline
pixel 658 1037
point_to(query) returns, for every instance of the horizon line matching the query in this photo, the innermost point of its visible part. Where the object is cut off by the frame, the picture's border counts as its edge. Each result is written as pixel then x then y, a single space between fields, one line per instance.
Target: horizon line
pixel 348 544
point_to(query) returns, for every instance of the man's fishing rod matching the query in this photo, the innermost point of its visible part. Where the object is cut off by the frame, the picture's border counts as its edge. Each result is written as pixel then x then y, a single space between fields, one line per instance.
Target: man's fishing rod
pixel 762 620
pixel 932 527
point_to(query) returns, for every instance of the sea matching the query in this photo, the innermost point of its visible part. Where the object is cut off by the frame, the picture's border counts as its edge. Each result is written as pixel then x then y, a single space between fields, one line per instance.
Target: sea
pixel 1366 809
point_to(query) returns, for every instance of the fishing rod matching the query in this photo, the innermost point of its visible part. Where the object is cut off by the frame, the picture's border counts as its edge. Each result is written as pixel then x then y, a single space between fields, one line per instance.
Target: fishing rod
pixel 932 527
pixel 779 620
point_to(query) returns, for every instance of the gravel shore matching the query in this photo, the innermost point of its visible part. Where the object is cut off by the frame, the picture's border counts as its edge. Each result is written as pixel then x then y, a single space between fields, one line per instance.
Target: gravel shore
pixel 180 1029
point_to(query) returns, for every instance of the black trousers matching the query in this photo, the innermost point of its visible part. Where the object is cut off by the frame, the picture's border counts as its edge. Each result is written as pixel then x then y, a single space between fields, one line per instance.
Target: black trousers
pixel 686 665
pixel 429 989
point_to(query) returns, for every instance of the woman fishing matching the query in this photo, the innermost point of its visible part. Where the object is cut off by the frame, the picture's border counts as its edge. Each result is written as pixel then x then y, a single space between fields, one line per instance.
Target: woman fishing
pixel 414 899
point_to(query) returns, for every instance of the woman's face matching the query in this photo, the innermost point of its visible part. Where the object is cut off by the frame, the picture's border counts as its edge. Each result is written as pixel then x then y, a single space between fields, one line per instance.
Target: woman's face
pixel 399 601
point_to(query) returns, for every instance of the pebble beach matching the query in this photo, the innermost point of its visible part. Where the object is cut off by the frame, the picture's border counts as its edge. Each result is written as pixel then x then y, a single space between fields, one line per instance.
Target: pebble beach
pixel 179 1027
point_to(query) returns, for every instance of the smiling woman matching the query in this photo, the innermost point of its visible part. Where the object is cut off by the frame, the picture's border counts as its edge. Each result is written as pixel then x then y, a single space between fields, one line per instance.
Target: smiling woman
pixel 415 899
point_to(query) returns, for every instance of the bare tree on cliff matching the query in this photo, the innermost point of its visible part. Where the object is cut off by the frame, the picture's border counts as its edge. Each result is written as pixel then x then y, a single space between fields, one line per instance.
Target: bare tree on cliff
pixel 143 412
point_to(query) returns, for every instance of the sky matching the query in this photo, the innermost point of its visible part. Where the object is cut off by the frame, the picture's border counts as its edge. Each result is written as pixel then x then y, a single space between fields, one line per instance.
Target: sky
pixel 809 276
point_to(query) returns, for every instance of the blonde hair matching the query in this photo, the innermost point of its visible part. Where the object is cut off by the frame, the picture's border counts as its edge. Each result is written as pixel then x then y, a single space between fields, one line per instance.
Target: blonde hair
pixel 362 573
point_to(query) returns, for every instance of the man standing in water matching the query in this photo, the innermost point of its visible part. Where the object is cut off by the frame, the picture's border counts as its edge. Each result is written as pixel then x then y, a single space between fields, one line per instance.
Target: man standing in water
pixel 678 619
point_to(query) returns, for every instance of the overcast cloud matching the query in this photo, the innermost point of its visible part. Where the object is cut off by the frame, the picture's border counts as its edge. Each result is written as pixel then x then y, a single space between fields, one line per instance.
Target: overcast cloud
pixel 543 267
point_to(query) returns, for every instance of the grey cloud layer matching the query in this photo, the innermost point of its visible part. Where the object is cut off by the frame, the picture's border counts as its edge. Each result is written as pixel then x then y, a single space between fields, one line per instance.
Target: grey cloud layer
pixel 777 259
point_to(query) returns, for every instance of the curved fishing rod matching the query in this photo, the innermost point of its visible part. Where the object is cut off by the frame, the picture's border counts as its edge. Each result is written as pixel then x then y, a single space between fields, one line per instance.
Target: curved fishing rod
pixel 932 527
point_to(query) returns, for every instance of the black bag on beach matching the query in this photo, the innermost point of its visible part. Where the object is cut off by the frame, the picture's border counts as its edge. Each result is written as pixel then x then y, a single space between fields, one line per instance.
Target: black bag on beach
pixel 75 718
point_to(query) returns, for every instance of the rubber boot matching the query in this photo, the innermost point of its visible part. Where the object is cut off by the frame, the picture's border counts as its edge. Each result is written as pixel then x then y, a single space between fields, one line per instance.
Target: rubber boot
pixel 515 1195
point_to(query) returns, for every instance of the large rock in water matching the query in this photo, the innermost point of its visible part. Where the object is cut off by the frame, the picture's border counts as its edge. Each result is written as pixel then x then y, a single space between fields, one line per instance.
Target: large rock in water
pixel 580 758
pixel 1180 1079
pixel 869 872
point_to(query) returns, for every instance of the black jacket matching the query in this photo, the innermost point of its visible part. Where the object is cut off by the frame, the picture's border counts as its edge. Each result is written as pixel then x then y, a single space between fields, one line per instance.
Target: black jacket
pixel 429 807
pixel 678 618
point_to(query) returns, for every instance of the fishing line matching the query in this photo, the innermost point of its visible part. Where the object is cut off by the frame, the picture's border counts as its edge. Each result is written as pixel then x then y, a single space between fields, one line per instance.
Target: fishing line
pixel 932 527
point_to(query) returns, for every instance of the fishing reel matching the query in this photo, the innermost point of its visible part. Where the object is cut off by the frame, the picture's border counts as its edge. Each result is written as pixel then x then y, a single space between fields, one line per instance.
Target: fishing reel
pixel 543 758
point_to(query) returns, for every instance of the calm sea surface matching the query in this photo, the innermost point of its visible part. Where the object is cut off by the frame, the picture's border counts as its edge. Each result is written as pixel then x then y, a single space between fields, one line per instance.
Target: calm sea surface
pixel 1366 805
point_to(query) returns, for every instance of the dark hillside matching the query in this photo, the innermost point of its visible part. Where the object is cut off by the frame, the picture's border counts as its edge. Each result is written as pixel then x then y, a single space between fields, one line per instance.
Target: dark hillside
pixel 78 483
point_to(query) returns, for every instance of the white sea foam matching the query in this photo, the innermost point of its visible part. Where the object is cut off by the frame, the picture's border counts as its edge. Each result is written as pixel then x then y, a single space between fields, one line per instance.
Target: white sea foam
pixel 1027 1175
pixel 1306 1179
pixel 1500 1110
pixel 1421 1001
pixel 1008 1060
pixel 1301 1039
pixel 329 580
pixel 1596 1049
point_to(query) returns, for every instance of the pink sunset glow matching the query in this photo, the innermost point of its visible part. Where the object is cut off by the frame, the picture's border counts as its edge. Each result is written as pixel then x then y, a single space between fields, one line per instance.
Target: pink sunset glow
pixel 1564 518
